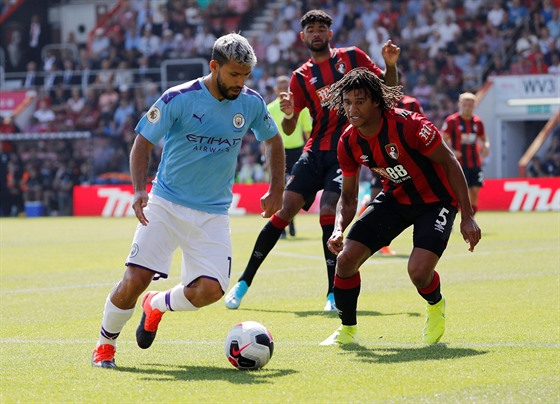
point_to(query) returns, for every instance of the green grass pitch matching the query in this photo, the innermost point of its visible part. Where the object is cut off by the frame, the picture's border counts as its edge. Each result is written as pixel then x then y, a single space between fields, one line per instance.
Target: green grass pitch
pixel 502 343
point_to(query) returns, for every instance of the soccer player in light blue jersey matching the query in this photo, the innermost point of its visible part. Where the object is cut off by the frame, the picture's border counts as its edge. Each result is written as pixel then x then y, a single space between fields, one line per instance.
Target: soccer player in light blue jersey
pixel 202 123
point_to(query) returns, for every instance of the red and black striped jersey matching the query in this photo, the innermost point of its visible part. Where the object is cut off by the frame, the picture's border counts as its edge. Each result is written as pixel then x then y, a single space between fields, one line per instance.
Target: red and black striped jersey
pixel 310 85
pixel 398 154
pixel 411 104
pixel 465 135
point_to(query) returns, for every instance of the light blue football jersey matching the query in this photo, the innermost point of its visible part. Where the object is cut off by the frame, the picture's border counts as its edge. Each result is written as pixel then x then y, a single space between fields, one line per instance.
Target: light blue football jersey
pixel 202 139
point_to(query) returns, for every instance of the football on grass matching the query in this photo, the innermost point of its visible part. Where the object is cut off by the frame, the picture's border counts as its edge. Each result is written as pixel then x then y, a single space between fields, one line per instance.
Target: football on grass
pixel 249 345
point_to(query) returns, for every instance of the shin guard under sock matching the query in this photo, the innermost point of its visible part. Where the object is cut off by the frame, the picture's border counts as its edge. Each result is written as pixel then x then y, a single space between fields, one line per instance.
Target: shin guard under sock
pixel 432 293
pixel 346 292
pixel 266 241
pixel 327 224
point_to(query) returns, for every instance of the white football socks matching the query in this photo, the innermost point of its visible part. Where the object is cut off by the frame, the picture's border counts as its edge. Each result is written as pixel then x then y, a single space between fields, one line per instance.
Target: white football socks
pixel 174 299
pixel 113 322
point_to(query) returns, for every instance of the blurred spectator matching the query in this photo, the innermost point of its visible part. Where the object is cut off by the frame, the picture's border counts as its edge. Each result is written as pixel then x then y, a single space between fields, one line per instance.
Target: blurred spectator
pixel 377 35
pixel 449 31
pixel 167 46
pixel 185 43
pixel 369 14
pixel 443 13
pixel 32 78
pixel 496 14
pixel 422 91
pixel 123 76
pixel 152 93
pixel 472 74
pixel 286 38
pixel 517 12
pixel 70 75
pixel 44 115
pixel 426 31
pixel 553 25
pixel 100 44
pixel 204 41
pixel 88 118
pixel 59 99
pixel 124 109
pixel 468 34
pixel 547 10
pixel 15 184
pixel 498 67
pixel 538 65
pixel 15 50
pixel 149 44
pixel 104 76
pixel 435 44
pixel 546 42
pixel 388 17
pixel 494 40
pixel 409 32
pixel 36 39
pixel 273 51
pixel 62 185
pixel 51 78
pixel 193 14
pixel 553 165
pixel 554 67
pixel 107 102
pixel 536 168
pixel 75 104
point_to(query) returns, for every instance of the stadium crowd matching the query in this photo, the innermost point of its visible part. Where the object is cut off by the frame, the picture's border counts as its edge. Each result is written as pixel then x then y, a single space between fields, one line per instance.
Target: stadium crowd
pixel 448 47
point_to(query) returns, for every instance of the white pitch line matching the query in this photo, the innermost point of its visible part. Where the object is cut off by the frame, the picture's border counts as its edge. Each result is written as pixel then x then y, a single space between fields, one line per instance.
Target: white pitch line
pixel 397 259
pixel 309 343
pixel 369 262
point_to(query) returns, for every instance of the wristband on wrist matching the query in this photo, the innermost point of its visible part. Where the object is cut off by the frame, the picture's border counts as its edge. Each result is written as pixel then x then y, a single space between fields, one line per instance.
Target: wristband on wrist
pixel 289 116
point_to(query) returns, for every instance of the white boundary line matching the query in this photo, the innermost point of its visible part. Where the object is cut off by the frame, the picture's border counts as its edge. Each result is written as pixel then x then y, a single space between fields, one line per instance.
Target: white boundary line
pixel 550 345
pixel 369 262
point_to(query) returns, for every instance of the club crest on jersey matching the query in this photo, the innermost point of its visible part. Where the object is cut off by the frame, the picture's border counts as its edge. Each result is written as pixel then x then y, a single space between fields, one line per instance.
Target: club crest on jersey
pixel 340 67
pixel 392 150
pixel 238 121
pixel 153 115
pixel 134 250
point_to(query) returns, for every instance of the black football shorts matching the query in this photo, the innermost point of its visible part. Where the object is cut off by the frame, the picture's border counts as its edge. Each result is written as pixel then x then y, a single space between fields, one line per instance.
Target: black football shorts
pixel 385 219
pixel 315 171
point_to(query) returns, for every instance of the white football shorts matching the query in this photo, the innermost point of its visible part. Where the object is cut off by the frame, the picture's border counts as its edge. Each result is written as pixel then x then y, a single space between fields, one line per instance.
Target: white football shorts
pixel 204 238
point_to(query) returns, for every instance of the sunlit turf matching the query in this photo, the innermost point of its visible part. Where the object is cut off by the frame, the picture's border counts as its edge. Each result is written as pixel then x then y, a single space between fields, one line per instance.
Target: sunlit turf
pixel 502 341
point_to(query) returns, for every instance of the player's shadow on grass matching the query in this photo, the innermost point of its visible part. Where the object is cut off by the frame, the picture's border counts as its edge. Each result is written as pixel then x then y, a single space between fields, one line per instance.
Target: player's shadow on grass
pixel 163 373
pixel 402 354
pixel 360 313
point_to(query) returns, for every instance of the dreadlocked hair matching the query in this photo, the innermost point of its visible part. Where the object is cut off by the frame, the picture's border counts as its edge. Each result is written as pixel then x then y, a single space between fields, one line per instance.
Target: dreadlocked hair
pixel 364 79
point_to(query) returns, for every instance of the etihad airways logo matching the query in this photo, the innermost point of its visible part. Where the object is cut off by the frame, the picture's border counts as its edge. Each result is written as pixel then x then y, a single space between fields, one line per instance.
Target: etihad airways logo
pixel 213 140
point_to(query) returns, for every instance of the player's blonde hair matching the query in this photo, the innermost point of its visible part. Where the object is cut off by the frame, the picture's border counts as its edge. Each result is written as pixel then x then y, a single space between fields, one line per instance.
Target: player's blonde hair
pixel 361 78
pixel 467 96
pixel 234 48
